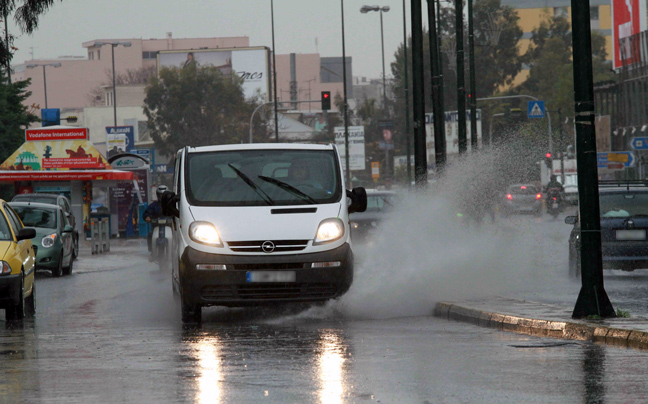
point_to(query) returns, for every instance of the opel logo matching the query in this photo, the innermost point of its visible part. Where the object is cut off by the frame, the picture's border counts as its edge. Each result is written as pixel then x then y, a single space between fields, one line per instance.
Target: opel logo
pixel 268 246
pixel 630 224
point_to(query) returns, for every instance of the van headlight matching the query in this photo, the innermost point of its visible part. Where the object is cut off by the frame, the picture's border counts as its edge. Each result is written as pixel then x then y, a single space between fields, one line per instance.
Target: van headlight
pixel 205 233
pixel 329 230
pixel 48 240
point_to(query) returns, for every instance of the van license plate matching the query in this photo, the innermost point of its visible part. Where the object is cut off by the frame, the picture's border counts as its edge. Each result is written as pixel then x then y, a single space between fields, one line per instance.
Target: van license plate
pixel 631 234
pixel 271 276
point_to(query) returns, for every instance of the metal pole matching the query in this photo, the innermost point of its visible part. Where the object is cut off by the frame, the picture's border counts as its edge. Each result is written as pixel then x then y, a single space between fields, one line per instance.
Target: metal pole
pixel 418 96
pixel 437 92
pixel 7 45
pixel 406 91
pixel 345 107
pixel 461 90
pixel 474 141
pixel 592 299
pixel 382 44
pixel 274 72
pixel 112 48
pixel 45 85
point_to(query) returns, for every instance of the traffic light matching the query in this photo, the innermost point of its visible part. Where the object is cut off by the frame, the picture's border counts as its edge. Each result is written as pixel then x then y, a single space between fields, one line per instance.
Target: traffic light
pixel 548 160
pixel 326 100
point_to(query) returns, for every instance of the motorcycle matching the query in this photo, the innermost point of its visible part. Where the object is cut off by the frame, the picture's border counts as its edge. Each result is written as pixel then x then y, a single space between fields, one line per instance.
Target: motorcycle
pixel 161 244
pixel 553 201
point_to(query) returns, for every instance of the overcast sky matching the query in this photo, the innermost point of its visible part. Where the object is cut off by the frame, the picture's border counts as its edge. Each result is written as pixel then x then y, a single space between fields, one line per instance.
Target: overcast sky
pixel 301 26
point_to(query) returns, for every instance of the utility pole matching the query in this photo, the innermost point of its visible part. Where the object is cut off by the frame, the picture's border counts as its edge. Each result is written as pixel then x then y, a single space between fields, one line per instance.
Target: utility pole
pixel 592 299
pixel 437 93
pixel 418 96
pixel 472 99
pixel 461 87
pixel 406 95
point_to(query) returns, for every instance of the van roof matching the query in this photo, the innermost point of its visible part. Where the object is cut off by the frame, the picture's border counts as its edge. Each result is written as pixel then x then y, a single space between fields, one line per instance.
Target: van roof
pixel 261 146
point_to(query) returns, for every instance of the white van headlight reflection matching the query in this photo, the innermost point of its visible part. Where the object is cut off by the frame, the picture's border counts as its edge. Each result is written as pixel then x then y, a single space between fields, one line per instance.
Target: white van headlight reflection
pixel 205 233
pixel 329 230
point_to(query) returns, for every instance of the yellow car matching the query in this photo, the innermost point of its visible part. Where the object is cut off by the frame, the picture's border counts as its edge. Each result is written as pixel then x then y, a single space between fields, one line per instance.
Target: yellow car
pixel 17 266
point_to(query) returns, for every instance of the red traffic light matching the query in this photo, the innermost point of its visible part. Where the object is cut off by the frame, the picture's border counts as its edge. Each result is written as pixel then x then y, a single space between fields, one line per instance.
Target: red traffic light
pixel 325 95
pixel 548 155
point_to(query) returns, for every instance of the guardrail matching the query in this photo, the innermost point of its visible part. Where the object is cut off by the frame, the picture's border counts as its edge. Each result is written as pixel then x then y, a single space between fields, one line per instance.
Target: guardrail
pixel 100 235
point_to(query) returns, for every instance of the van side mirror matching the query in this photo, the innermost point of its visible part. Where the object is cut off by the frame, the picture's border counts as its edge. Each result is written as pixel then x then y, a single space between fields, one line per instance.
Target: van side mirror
pixel 358 198
pixel 169 203
pixel 68 229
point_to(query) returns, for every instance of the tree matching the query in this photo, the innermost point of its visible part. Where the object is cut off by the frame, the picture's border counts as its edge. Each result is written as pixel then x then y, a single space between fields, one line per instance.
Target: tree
pixel 26 14
pixel 196 106
pixel 14 119
pixel 496 64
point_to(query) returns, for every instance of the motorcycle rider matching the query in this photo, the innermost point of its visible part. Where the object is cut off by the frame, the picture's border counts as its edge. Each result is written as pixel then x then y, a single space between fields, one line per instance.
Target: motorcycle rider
pixel 154 211
pixel 554 187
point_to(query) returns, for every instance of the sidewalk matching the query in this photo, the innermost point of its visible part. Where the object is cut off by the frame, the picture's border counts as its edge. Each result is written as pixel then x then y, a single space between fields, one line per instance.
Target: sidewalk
pixel 124 252
pixel 546 320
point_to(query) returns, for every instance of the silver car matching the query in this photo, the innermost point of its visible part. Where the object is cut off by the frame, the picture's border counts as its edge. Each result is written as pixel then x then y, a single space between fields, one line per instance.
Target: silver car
pixel 522 198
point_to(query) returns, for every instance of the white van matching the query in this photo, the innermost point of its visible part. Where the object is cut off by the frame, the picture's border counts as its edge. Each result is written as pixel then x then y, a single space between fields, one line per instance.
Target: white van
pixel 260 224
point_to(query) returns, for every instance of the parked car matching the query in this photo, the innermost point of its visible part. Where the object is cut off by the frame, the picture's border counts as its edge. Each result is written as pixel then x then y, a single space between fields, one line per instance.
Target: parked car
pixel 522 198
pixel 624 224
pixel 53 242
pixel 17 266
pixel 59 200
pixel 379 206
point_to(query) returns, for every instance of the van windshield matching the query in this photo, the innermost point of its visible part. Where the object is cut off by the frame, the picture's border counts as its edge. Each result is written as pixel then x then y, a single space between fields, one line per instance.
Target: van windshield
pixel 262 177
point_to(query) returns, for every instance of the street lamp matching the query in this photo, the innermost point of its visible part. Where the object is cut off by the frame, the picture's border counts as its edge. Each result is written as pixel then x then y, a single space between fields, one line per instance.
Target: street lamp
pixel 113 44
pixel 34 65
pixel 365 10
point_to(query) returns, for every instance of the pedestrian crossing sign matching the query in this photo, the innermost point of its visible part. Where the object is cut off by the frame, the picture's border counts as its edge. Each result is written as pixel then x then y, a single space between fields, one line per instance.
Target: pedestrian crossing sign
pixel 536 109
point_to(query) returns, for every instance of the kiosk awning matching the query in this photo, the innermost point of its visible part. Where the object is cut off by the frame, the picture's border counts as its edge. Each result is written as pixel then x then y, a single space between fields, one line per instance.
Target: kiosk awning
pixel 68 175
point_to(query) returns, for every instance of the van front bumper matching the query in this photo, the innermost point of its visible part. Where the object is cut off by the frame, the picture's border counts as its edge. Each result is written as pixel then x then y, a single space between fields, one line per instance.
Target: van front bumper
pixel 232 287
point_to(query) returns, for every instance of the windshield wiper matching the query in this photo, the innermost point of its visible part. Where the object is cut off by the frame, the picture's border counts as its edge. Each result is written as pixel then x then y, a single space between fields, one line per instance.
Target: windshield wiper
pixel 288 188
pixel 248 181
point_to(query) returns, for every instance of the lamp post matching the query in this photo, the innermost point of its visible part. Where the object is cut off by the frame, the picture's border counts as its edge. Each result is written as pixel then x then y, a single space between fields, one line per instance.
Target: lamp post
pixel 35 65
pixel 384 9
pixel 113 45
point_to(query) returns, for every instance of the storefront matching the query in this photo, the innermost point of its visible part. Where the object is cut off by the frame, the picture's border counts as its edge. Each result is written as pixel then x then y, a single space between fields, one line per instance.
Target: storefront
pixel 61 159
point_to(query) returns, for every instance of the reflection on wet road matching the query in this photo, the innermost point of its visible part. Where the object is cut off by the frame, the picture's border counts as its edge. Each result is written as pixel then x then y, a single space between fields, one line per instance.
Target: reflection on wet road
pixel 115 336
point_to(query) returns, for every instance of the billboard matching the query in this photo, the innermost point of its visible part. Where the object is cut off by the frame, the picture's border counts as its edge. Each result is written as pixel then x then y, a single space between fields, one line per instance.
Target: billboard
pixel 356 146
pixel 451 132
pixel 251 64
pixel 628 19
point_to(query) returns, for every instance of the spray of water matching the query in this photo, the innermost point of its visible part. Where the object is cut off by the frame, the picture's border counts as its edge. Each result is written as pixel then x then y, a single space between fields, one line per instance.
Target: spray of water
pixel 441 245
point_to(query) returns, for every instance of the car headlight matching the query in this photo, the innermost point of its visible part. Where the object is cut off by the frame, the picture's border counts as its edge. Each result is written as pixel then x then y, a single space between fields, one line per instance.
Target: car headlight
pixel 49 240
pixel 329 230
pixel 205 233
pixel 5 268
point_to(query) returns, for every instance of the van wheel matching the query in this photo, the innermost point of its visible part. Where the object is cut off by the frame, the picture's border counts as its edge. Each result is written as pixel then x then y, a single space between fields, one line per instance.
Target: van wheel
pixel 191 313
pixel 75 247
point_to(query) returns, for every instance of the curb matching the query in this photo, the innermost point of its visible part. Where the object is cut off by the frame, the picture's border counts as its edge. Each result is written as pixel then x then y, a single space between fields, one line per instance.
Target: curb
pixel 580 331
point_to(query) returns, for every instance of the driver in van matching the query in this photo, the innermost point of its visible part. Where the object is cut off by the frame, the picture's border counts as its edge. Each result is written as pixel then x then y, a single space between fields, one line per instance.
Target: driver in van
pixel 299 174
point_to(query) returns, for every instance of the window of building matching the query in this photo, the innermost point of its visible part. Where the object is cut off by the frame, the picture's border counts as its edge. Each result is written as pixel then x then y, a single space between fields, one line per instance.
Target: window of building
pixel 561 12
pixel 90 55
pixel 594 13
pixel 149 55
pixel 98 54
pixel 109 98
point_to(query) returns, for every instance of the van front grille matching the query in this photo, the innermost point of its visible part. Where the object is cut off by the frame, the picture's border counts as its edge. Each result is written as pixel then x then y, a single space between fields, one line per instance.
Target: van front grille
pixel 278 291
pixel 258 246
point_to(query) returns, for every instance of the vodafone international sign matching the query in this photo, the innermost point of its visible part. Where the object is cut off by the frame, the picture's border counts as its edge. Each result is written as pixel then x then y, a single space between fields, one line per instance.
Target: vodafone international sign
pixel 628 19
pixel 45 134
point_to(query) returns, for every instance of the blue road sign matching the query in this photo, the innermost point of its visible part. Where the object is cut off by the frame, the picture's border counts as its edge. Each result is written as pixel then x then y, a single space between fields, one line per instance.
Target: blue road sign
pixel 639 143
pixel 535 109
pixel 603 158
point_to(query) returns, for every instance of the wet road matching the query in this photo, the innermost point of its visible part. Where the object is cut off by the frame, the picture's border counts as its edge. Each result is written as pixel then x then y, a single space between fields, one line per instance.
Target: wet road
pixel 111 333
